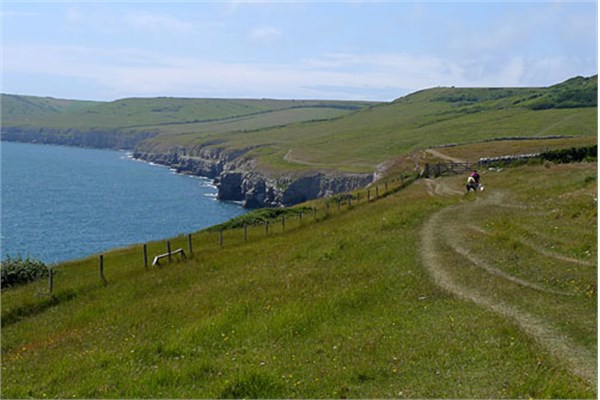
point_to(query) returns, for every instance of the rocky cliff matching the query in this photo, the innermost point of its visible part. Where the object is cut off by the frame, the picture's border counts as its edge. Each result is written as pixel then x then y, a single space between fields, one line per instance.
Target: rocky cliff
pixel 237 179
pixel 99 139
pixel 235 175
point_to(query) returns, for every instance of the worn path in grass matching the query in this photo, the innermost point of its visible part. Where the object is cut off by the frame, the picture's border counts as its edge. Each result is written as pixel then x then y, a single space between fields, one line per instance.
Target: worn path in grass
pixel 443 156
pixel 440 233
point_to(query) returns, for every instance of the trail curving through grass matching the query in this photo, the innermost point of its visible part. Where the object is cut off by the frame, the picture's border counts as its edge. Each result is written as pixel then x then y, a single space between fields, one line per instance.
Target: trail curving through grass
pixel 440 238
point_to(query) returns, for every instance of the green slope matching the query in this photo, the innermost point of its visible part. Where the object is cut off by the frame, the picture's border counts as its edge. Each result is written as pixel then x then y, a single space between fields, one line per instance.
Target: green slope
pixel 288 135
pixel 30 108
pixel 425 293
pixel 361 140
pixel 154 113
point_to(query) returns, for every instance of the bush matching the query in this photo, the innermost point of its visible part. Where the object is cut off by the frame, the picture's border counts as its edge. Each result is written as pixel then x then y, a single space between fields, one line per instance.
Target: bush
pixel 574 154
pixel 261 216
pixel 17 271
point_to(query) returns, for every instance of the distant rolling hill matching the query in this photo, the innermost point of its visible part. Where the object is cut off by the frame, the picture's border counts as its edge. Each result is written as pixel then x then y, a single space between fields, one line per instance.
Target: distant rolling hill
pixel 163 115
pixel 359 141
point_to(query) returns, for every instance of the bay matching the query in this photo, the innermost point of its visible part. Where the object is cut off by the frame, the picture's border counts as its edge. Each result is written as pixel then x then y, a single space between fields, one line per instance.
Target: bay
pixel 60 203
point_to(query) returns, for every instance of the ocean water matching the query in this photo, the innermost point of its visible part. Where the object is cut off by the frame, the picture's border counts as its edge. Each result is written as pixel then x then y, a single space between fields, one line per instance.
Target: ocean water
pixel 60 203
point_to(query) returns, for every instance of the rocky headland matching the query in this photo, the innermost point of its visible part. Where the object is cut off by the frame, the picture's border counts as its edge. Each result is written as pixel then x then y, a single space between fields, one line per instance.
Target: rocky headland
pixel 238 179
pixel 235 175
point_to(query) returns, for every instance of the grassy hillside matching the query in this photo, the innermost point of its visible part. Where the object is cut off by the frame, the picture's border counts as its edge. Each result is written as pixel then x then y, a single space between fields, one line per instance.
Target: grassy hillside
pixel 288 135
pixel 164 114
pixel 425 293
pixel 26 109
pixel 361 140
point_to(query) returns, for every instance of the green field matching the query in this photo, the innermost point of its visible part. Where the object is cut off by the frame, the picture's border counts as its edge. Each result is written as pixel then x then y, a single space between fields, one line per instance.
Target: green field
pixel 361 140
pixel 166 115
pixel 423 293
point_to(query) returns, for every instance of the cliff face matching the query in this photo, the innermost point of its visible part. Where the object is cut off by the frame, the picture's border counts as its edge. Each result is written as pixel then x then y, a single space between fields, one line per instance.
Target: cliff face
pixel 257 190
pixel 238 180
pixel 236 177
pixel 99 139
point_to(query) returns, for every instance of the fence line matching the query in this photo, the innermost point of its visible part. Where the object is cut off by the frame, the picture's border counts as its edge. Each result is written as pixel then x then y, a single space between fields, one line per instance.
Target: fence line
pixel 321 210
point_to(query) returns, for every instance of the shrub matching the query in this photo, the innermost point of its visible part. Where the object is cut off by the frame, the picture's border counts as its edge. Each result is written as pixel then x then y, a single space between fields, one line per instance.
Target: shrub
pixel 574 154
pixel 17 271
pixel 261 216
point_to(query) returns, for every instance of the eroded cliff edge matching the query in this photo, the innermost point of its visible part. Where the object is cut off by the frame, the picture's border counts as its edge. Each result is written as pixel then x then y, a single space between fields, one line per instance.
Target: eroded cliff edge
pixel 236 175
pixel 238 179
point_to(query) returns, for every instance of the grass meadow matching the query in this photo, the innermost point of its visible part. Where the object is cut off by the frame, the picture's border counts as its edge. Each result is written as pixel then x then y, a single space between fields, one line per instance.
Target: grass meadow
pixel 423 293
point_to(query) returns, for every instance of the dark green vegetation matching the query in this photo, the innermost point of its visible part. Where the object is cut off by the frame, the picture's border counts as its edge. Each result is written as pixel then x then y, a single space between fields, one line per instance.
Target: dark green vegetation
pixel 19 270
pixel 350 304
pixel 574 93
pixel 263 215
pixel 574 154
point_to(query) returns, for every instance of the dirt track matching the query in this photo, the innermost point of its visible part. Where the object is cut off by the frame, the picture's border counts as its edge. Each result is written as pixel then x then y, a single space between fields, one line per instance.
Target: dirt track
pixel 441 230
pixel 443 156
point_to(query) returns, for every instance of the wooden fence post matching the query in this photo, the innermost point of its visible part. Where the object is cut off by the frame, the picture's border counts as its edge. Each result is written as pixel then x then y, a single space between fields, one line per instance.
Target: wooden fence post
pixel 349 200
pixel 245 233
pixel 376 191
pixel 102 277
pixel 368 194
pixel 339 200
pixel 283 222
pixel 169 250
pixel 145 255
pixel 300 216
pixel 221 237
pixel 358 198
pixel 266 228
pixel 50 280
pixel 190 243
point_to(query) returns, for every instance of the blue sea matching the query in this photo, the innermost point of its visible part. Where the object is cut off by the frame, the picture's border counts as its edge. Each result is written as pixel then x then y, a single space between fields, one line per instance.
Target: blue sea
pixel 61 203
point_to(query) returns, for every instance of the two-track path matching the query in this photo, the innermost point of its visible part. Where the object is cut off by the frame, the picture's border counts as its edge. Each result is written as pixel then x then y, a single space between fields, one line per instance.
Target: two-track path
pixel 440 233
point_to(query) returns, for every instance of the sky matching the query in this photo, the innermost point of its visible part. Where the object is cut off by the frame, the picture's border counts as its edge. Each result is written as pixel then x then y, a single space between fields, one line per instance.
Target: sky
pixel 349 50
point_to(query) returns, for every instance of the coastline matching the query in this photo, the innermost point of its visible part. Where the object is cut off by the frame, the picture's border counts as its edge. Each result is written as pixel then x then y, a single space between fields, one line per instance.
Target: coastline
pixel 237 178
pixel 112 212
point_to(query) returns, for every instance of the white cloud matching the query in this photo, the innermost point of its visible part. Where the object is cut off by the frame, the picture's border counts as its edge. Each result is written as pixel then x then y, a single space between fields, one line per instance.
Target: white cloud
pixel 99 20
pixel 265 33
pixel 74 15
pixel 157 22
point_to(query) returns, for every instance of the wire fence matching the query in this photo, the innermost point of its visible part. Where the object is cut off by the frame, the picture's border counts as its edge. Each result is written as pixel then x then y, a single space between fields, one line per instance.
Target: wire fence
pixel 116 265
